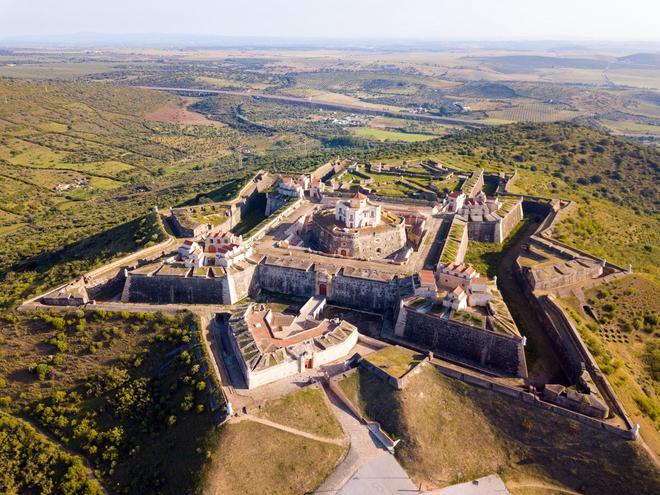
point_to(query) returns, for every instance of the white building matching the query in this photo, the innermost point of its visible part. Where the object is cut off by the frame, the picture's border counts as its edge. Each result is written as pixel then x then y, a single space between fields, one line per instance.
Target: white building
pixel 479 293
pixel 316 189
pixel 427 286
pixel 479 206
pixel 191 254
pixel 226 249
pixel 271 345
pixel 288 186
pixel 454 201
pixel 456 299
pixel 358 212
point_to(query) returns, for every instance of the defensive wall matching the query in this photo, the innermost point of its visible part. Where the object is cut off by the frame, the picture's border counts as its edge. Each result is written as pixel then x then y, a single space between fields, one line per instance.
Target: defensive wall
pixel 575 358
pixel 166 289
pixel 234 210
pixel 503 354
pixel 397 382
pixel 498 230
pixel 369 291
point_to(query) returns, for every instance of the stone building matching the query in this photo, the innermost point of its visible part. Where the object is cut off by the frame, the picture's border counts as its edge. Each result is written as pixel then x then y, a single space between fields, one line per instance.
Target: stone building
pixel 270 345
pixel 356 229
pixel 358 212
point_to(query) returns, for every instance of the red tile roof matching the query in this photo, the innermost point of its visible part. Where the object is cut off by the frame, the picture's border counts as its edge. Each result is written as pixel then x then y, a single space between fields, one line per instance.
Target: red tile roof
pixel 426 277
pixel 359 195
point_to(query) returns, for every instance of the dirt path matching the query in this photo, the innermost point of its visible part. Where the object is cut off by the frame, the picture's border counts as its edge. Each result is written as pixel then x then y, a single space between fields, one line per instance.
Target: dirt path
pixel 288 429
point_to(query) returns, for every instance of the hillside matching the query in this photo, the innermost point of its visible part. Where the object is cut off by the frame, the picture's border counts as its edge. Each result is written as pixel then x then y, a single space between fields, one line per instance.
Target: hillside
pixel 117 388
pixel 450 432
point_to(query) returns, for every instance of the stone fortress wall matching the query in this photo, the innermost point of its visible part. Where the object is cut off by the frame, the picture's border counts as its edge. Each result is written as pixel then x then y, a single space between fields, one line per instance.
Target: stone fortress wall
pixel 501 353
pixel 236 209
pixel 339 288
pixel 373 242
pixel 163 289
pixel 498 231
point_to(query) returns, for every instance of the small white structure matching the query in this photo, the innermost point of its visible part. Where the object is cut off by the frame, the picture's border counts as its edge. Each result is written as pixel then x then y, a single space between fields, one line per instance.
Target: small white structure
pixel 481 206
pixel 454 201
pixel 218 239
pixel 456 299
pixel 191 254
pixel 288 186
pixel 479 293
pixel 316 189
pixel 427 285
pixel 226 248
pixel 358 212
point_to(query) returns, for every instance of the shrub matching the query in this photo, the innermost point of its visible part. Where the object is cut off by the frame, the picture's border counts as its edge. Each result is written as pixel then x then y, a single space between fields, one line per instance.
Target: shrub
pixel 42 370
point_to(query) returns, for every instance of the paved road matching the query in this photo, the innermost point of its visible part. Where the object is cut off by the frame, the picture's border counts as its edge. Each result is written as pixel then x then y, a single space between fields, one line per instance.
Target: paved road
pixel 380 476
pixel 367 468
pixel 324 104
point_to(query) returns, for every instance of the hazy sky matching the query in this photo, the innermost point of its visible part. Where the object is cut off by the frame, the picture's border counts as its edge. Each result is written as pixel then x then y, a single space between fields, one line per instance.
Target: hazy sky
pixel 434 19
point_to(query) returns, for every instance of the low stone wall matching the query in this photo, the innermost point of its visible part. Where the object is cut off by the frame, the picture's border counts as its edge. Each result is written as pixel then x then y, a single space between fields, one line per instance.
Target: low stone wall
pixel 384 199
pixel 397 382
pixel 502 353
pixel 534 400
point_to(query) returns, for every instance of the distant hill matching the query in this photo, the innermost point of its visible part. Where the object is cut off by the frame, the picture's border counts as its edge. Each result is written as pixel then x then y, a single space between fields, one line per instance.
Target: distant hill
pixel 517 63
pixel 645 59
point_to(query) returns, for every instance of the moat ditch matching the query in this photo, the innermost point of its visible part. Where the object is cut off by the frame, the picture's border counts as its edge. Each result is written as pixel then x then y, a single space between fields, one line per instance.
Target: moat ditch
pixel 543 363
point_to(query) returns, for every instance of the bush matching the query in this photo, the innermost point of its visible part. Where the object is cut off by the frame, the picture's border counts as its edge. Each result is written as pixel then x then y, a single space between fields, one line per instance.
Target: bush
pixel 42 370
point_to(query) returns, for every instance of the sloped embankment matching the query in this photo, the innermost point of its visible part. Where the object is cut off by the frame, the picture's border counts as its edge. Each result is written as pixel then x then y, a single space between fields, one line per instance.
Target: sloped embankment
pixel 452 431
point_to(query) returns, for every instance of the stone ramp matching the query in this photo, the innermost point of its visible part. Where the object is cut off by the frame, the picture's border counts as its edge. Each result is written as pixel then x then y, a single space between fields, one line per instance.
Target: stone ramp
pixel 382 475
pixel 363 449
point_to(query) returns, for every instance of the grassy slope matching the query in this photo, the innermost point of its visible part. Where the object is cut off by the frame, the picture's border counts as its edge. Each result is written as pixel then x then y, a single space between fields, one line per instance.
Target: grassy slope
pixel 451 431
pixel 253 459
pixel 305 410
pixel 618 215
pixel 626 345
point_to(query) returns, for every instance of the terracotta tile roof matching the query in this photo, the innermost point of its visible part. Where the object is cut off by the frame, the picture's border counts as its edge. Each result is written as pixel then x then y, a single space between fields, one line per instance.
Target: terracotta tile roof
pixel 426 277
pixel 458 291
pixel 359 195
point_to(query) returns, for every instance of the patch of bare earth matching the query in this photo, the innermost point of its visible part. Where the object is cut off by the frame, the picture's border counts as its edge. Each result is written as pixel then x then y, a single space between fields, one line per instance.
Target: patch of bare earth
pixel 177 113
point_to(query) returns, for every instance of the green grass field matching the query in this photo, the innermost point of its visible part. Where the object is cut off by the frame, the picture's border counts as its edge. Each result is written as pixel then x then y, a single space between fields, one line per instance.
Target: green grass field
pixel 306 410
pixel 385 135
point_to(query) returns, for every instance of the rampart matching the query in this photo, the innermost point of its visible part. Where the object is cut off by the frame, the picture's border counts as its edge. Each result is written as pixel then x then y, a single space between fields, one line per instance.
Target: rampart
pixel 163 289
pixel 501 353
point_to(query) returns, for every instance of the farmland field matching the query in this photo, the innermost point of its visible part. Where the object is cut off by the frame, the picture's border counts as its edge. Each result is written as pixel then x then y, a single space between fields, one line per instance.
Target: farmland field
pixel 383 135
